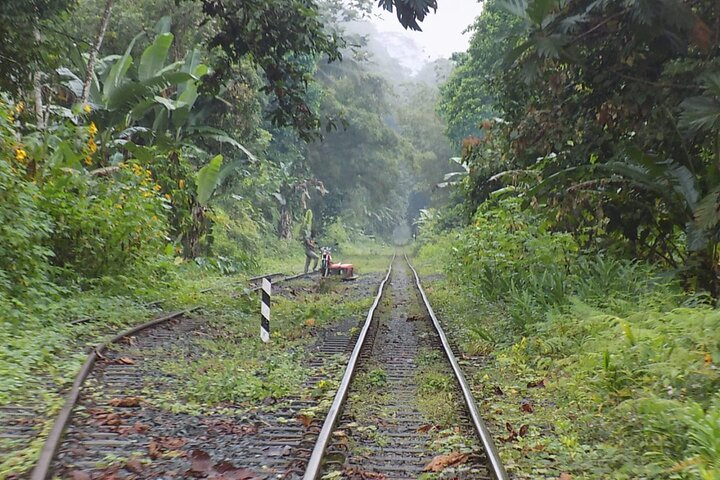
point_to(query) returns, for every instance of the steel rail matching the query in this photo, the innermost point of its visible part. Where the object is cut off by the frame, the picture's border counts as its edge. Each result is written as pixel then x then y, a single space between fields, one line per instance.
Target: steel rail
pixel 312 472
pixel 497 467
pixel 43 466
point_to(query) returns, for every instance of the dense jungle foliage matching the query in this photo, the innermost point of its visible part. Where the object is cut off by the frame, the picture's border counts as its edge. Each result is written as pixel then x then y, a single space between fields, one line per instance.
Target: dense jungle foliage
pixel 582 244
pixel 137 135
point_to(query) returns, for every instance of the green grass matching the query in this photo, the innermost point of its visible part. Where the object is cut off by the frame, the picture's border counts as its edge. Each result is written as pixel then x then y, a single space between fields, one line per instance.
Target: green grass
pixel 237 367
pixel 625 389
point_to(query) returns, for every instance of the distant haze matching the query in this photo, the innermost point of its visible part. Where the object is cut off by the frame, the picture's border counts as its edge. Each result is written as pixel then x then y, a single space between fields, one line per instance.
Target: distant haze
pixel 442 33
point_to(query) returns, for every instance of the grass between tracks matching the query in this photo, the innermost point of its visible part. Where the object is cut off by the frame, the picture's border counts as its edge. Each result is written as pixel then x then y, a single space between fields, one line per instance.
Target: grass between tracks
pixel 618 379
pixel 42 354
pixel 236 368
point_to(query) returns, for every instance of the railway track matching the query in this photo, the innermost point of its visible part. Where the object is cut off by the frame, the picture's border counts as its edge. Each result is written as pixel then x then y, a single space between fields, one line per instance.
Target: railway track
pixel 17 423
pixel 372 430
pixel 382 423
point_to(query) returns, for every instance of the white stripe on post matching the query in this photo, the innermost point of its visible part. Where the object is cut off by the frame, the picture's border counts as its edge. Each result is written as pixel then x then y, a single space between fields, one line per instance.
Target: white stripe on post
pixel 265 311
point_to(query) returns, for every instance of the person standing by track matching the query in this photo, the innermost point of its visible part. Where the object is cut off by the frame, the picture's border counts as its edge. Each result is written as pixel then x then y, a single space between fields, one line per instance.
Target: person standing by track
pixel 310 252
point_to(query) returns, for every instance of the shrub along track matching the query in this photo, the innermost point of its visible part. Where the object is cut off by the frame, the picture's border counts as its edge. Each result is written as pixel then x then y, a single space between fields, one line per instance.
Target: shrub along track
pixel 399 412
pixel 116 433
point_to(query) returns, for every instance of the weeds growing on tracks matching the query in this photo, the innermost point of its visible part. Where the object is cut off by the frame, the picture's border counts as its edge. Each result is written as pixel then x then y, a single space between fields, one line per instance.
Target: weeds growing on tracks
pixel 238 368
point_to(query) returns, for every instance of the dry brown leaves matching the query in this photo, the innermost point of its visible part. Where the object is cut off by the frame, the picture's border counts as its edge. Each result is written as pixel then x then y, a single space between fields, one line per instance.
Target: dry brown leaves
pixel 158 446
pixel 513 434
pixel 542 383
pixel 125 402
pixel 527 406
pixel 306 420
pixel 105 418
pixel 358 474
pixel 202 466
pixel 138 427
pixel 79 475
pixel 441 462
pixel 227 427
pixel 134 466
pixel 427 428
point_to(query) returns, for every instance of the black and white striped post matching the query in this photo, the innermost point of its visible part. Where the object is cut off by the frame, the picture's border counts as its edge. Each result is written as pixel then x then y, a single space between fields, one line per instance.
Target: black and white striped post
pixel 265 311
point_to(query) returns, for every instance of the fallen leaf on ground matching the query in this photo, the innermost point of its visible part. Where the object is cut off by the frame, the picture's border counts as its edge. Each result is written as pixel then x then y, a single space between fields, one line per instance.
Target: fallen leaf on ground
pixel 79 475
pixel 134 465
pixel 537 384
pixel 310 322
pixel 226 427
pixel 523 430
pixel 527 406
pixel 125 361
pixel 357 474
pixel 511 430
pixel 426 428
pixel 414 318
pixel 125 402
pixel 154 449
pixel 107 418
pixel 202 466
pixel 498 391
pixel 306 420
pixel 228 471
pixel 565 476
pixel 200 463
pixel 441 462
pixel 171 443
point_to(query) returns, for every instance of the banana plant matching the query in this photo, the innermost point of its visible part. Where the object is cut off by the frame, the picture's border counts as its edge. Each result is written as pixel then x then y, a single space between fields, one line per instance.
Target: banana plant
pixel 157 101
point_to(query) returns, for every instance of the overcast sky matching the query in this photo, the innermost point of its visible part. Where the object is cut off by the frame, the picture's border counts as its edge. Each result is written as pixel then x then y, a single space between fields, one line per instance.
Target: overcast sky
pixel 442 31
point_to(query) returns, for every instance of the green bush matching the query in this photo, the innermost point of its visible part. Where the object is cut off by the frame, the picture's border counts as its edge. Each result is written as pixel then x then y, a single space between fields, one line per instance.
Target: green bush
pixel 104 225
pixel 618 343
pixel 236 238
pixel 24 227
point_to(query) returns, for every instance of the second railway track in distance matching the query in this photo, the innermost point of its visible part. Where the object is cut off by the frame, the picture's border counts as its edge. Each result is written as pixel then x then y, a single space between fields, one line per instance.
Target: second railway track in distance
pixel 383 423
pixel 106 421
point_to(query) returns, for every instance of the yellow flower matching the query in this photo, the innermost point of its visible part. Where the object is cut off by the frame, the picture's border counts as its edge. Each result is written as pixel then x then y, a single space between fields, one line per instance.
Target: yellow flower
pixel 92 146
pixel 154 217
pixel 87 108
pixel 20 154
pixel 167 196
pixel 19 107
pixel 88 160
pixel 181 183
pixel 92 129
pixel 118 206
pixel 157 188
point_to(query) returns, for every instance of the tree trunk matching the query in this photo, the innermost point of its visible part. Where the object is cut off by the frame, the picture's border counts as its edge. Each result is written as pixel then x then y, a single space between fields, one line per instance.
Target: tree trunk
pixel 285 225
pixel 96 50
pixel 37 94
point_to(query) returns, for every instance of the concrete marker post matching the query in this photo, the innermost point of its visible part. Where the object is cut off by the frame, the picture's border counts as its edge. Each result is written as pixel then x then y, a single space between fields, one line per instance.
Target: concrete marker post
pixel 265 311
